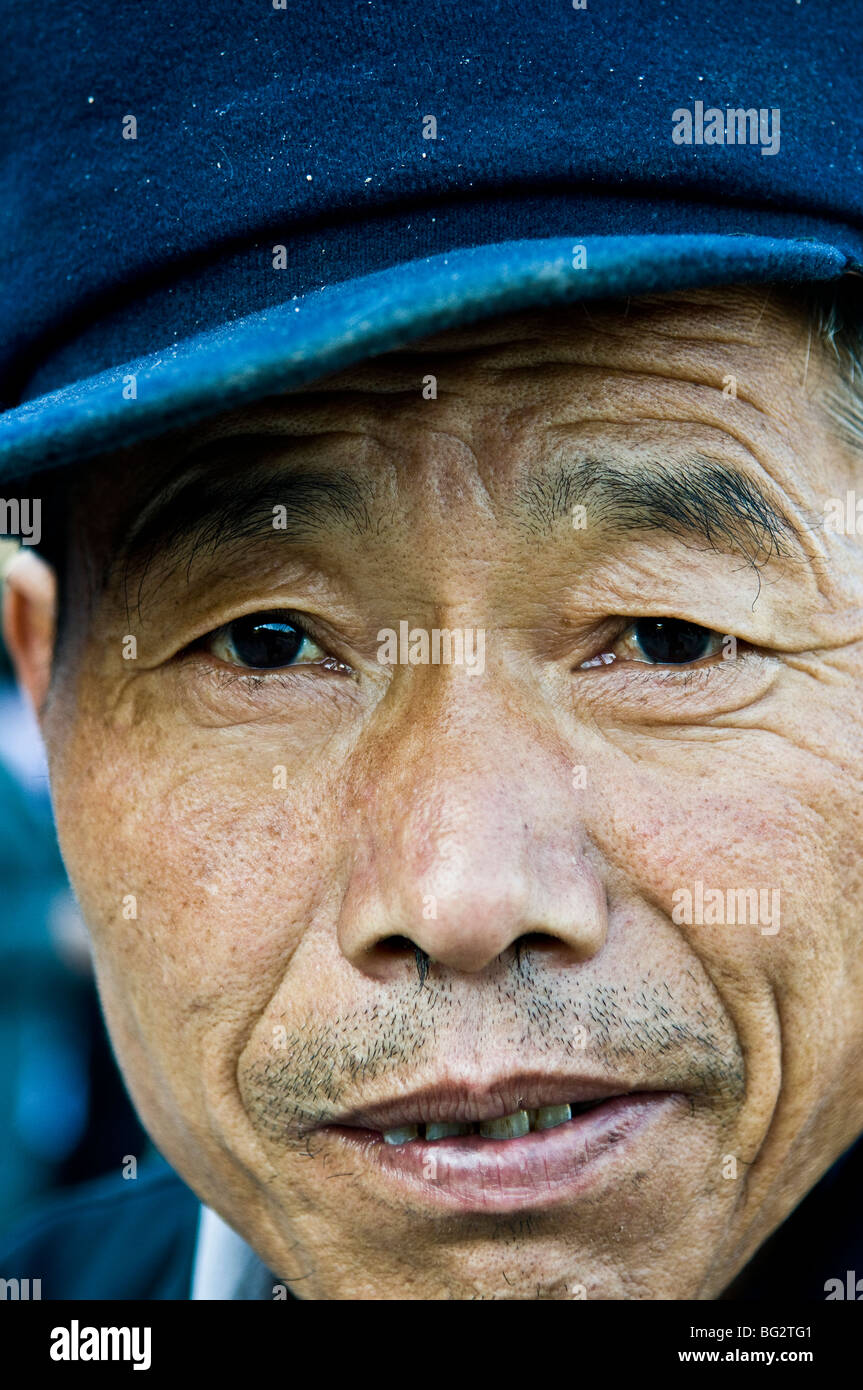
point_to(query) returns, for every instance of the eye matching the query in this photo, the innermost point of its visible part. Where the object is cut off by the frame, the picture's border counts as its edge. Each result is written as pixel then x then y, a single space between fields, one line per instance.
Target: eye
pixel 262 642
pixel 663 642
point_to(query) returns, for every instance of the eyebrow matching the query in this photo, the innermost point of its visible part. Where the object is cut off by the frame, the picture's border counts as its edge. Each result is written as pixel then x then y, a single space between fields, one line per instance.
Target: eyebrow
pixel 700 499
pixel 226 495
pixel 228 488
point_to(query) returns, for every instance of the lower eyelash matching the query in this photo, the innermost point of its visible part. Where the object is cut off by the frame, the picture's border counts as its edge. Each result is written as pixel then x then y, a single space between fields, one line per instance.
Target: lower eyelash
pixel 683 677
pixel 284 676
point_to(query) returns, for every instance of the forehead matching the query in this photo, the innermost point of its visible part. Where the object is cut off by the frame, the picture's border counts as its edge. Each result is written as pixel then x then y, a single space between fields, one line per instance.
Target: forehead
pixel 488 368
pixel 737 316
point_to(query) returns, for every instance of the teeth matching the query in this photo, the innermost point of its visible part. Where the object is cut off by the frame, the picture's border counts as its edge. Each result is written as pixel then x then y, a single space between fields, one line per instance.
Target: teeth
pixel 445 1131
pixel 403 1135
pixel 507 1127
pixel 550 1115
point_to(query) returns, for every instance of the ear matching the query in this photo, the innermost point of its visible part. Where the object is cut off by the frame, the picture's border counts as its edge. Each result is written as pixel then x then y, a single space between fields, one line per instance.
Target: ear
pixel 29 621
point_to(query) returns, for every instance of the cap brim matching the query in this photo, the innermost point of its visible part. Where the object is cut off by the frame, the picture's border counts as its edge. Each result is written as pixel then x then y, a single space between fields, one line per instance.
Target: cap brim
pixel 295 343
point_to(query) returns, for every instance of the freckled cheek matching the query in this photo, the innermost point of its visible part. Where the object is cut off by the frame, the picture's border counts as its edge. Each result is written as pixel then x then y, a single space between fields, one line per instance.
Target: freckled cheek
pixel 198 875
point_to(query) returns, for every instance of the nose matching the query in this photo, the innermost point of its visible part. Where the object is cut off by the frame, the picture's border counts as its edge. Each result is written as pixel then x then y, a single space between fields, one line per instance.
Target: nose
pixel 470 840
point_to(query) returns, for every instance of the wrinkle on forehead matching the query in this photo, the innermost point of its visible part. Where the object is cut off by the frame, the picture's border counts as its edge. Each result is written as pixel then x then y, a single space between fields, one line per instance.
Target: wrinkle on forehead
pixel 384 393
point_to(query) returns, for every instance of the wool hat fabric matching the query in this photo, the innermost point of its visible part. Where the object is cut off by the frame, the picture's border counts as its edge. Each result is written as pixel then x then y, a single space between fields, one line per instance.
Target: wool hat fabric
pixel 206 204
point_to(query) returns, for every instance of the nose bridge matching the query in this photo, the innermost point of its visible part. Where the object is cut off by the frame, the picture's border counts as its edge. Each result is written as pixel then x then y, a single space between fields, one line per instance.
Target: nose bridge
pixel 453 778
pixel 466 845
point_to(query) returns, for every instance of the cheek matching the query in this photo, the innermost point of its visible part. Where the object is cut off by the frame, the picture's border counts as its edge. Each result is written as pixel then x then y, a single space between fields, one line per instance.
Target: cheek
pixel 197 876
pixel 736 815
pixel 783 979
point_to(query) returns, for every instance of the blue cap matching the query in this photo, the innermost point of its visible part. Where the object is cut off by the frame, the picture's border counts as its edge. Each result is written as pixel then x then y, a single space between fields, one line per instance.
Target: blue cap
pixel 201 206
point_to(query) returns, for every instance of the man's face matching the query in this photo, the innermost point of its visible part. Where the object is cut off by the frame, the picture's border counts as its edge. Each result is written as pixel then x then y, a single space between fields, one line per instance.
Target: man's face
pixel 266 803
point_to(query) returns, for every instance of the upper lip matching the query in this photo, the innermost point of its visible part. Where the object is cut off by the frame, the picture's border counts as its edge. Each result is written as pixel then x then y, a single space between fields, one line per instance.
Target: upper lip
pixel 472 1102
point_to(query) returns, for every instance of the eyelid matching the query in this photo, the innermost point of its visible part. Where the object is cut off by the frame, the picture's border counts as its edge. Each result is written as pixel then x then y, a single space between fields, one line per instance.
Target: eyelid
pixel 608 657
pixel 336 655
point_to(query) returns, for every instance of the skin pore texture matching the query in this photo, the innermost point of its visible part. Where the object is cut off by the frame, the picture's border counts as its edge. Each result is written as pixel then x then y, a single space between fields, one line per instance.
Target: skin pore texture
pixel 290 836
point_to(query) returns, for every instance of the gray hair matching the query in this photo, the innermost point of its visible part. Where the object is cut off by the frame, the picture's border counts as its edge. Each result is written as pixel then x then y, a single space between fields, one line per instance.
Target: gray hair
pixel 836 320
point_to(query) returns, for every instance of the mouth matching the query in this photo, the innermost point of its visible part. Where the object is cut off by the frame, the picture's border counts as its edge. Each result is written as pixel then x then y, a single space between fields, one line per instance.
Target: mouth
pixel 504 1128
pixel 509 1148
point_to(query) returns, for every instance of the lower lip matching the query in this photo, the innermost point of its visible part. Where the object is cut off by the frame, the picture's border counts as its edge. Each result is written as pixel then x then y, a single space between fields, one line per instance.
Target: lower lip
pixel 538 1170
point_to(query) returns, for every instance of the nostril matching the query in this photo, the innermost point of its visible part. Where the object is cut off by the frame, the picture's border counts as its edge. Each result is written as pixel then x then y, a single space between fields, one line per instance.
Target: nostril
pixel 534 941
pixel 398 945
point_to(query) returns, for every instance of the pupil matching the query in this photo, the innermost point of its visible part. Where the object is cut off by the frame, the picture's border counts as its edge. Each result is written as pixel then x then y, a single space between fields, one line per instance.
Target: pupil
pixel 670 641
pixel 263 641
